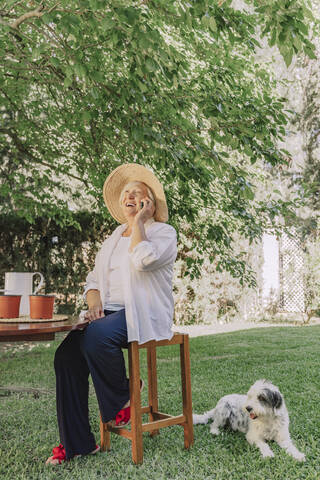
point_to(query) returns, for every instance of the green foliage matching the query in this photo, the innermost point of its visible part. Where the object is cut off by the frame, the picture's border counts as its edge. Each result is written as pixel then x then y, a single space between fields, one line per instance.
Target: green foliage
pixel 309 123
pixel 63 254
pixel 90 84
pixel 286 24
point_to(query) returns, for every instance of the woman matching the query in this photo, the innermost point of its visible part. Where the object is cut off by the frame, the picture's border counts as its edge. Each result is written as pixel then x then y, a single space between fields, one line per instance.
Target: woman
pixel 129 297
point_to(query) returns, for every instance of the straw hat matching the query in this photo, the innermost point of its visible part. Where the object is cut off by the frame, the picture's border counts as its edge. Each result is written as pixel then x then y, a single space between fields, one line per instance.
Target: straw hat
pixel 133 172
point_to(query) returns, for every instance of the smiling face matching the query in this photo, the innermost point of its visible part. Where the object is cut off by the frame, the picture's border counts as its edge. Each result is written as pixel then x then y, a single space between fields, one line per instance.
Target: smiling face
pixel 131 197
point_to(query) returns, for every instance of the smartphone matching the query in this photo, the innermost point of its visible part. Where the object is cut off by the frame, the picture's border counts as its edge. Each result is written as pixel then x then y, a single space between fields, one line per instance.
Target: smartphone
pixel 141 205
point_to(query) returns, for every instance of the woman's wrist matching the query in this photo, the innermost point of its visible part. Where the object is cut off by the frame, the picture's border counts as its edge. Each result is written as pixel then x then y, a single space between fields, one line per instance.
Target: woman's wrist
pixel 138 234
pixel 94 300
pixel 95 307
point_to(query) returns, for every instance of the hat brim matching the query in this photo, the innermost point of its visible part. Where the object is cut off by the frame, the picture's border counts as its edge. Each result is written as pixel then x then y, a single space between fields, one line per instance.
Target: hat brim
pixel 133 172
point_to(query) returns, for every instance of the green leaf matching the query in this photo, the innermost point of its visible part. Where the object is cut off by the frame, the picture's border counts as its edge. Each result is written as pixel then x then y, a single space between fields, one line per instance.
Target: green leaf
pixel 142 87
pixel 67 82
pixel 86 116
pixel 310 53
pixel 55 62
pixel 97 76
pixel 273 38
pixel 137 134
pixel 297 43
pixel 151 66
pixel 302 27
pixel 144 42
pixel 248 193
pixel 94 5
pixel 132 15
pixel 107 23
pixel 213 24
pixel 69 71
pixel 115 38
pixel 248 151
pixel 47 18
pixel 288 56
pixel 80 70
pixel 205 20
pixel 36 53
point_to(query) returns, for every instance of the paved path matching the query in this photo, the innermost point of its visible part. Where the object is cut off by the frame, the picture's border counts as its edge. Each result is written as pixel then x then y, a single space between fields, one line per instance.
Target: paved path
pixel 214 328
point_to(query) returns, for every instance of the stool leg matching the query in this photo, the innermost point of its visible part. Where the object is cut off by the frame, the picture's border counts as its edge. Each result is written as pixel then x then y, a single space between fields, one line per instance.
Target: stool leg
pixel 152 383
pixel 186 391
pixel 104 436
pixel 135 403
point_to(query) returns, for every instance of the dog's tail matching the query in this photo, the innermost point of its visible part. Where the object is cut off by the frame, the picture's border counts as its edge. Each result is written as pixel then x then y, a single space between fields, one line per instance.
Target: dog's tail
pixel 203 418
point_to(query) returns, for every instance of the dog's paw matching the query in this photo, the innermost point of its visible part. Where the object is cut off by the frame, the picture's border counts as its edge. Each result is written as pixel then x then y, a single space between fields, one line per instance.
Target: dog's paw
pixel 300 457
pixel 268 454
pixel 214 431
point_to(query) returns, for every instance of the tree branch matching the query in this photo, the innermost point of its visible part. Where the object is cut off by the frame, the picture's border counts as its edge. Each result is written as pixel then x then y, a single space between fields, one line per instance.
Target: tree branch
pixel 25 16
pixel 38 12
pixel 23 149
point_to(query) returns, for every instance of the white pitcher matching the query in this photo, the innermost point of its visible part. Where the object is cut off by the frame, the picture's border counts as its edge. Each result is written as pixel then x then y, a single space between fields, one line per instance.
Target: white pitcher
pixel 21 283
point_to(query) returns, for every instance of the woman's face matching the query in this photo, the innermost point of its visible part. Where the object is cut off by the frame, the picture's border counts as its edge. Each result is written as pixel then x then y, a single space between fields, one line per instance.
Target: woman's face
pixel 132 196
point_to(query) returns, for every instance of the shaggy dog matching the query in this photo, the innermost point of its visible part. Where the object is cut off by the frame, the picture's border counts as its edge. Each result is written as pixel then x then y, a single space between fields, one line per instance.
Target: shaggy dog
pixel 261 415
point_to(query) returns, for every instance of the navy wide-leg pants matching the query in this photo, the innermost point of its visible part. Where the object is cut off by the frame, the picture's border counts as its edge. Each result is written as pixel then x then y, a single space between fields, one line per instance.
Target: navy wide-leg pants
pixel 96 350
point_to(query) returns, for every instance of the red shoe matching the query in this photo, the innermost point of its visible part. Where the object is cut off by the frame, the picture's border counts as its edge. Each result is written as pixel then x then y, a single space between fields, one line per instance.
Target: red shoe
pixel 123 416
pixel 59 455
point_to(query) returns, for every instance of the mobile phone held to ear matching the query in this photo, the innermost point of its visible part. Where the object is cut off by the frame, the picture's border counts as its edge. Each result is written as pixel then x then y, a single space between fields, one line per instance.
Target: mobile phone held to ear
pixel 141 205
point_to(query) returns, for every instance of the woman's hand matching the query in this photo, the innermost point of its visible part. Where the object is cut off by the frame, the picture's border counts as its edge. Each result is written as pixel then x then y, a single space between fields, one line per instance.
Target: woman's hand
pixel 95 309
pixel 94 313
pixel 87 316
pixel 146 212
pixel 138 232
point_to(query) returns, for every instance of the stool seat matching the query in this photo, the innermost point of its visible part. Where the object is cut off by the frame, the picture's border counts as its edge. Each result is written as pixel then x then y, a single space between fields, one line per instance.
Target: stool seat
pixel 157 419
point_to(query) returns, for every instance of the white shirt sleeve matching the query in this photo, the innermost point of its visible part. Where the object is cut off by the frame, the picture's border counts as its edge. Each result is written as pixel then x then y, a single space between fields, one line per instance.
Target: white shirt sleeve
pixel 92 282
pixel 159 250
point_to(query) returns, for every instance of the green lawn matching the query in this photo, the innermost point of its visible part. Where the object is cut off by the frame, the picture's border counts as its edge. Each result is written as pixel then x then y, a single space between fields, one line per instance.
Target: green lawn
pixel 221 364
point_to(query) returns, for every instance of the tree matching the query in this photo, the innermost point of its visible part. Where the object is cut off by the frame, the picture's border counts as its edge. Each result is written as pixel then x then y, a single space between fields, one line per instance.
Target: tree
pixel 309 123
pixel 87 84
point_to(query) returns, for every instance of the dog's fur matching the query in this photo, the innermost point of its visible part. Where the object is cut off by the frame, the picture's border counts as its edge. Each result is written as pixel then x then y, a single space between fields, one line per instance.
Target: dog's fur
pixel 261 415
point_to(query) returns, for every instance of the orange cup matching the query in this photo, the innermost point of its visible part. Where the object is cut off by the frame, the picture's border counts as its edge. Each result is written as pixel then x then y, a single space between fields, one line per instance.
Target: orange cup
pixel 9 306
pixel 41 306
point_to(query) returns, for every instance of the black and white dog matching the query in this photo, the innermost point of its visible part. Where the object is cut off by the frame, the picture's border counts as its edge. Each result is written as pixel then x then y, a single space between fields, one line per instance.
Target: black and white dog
pixel 261 415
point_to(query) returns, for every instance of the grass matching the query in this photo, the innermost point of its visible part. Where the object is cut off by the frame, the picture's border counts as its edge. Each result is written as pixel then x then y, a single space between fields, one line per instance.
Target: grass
pixel 221 364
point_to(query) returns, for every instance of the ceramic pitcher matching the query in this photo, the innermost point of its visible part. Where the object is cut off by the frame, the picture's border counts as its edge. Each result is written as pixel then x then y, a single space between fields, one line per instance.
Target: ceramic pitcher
pixel 21 283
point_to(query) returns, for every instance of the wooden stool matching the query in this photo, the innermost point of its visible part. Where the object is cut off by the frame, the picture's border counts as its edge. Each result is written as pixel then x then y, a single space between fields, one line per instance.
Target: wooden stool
pixel 157 419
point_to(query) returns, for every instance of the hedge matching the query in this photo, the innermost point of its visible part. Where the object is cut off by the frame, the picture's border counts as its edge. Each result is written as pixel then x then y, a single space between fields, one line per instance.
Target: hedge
pixel 64 255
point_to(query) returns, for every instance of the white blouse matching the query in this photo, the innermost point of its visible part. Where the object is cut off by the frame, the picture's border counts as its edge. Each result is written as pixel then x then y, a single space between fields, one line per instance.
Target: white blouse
pixel 114 298
pixel 146 274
